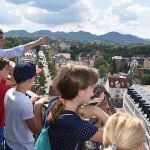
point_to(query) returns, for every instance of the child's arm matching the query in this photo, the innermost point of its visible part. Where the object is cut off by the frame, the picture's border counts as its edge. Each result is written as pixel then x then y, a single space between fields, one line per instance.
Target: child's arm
pixel 89 111
pixel 34 124
pixel 97 137
pixel 40 41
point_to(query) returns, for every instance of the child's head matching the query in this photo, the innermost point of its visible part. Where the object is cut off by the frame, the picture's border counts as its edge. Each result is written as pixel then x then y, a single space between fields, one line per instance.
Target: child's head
pixel 123 131
pixel 74 83
pixel 24 71
pixel 4 68
pixel 71 79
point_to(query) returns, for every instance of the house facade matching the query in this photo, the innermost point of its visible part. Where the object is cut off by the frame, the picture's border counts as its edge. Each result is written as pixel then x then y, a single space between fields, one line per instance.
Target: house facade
pixel 116 86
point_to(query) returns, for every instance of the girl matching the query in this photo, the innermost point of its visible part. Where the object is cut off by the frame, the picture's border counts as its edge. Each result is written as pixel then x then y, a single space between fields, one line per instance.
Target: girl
pixel 124 132
pixel 67 131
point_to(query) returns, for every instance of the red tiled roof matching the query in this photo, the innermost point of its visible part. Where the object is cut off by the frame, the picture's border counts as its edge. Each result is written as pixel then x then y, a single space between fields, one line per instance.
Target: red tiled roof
pixel 124 82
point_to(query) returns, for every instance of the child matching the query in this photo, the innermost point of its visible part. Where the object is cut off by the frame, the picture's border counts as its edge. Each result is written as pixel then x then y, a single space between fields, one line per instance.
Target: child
pixel 20 121
pixel 67 131
pixel 5 69
pixel 124 132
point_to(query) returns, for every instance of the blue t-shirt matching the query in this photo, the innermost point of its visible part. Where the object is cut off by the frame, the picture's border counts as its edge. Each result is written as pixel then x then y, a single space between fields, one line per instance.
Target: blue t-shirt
pixel 70 132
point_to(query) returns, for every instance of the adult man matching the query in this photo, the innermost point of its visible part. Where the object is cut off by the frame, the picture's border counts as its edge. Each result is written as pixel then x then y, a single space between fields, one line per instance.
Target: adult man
pixel 1 38
pixel 19 50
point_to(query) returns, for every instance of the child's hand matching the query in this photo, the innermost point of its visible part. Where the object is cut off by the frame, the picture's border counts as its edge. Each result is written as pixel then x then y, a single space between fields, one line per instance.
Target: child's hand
pixel 89 111
pixel 35 98
pixel 42 40
pixel 41 101
pixel 86 111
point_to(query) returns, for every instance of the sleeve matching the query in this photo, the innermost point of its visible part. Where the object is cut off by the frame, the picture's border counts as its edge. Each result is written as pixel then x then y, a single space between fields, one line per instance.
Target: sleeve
pixel 26 111
pixel 12 52
pixel 86 131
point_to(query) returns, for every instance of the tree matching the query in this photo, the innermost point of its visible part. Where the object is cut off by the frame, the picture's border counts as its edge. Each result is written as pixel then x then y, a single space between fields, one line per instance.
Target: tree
pixel 99 62
pixel 40 65
pixel 146 79
pixel 42 79
pixel 52 70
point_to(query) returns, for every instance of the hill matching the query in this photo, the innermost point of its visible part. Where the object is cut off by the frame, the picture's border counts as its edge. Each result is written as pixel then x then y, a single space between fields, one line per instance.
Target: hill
pixel 81 35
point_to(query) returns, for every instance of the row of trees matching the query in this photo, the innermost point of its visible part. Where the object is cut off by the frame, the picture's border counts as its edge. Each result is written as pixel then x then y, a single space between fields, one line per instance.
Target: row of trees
pixel 76 47
pixel 110 49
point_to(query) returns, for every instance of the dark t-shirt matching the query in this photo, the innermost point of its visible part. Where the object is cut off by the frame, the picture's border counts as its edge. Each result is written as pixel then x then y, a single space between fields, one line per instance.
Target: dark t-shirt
pixel 70 132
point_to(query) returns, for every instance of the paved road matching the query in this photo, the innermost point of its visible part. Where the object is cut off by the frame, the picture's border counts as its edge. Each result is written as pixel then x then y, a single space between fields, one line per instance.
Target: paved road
pixel 48 78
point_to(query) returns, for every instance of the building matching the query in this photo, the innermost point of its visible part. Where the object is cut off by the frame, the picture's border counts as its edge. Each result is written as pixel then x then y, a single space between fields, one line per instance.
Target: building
pixel 102 99
pixel 136 101
pixel 134 63
pixel 138 72
pixel 116 86
pixel 61 59
pixel 87 59
pixel 146 63
pixel 29 56
pixel 120 63
pixel 139 60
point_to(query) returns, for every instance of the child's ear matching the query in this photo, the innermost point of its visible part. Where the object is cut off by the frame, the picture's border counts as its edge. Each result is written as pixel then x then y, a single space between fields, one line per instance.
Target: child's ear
pixel 81 93
pixel 30 80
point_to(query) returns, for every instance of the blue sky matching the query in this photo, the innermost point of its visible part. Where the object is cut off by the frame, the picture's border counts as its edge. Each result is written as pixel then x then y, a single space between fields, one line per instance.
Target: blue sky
pixel 94 16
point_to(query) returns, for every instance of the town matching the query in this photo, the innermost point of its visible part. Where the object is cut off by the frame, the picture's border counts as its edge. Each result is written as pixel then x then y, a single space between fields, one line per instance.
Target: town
pixel 124 83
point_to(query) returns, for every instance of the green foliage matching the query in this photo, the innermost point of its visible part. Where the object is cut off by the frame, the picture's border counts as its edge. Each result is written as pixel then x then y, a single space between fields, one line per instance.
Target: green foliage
pixel 12 42
pixel 99 62
pixel 40 65
pixel 103 66
pixel 146 79
pixel 42 79
pixel 52 70
pixel 76 47
pixel 47 56
pixel 110 49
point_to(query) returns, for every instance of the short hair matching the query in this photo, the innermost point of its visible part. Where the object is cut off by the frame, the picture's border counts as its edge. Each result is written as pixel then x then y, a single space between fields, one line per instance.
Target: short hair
pixel 72 78
pixel 124 131
pixel 3 62
pixel 1 31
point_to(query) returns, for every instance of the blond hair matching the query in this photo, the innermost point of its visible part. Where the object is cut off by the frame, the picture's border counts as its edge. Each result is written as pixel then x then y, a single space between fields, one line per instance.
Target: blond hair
pixel 124 131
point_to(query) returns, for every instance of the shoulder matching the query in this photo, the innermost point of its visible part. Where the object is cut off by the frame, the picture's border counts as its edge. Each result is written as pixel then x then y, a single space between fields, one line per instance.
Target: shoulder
pixel 74 122
pixel 10 91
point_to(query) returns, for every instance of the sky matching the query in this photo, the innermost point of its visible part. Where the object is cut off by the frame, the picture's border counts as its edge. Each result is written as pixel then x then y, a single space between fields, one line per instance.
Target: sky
pixel 94 16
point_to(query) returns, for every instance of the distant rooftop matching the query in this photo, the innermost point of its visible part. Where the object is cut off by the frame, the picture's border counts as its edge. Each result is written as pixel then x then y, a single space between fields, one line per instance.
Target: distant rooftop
pixel 123 81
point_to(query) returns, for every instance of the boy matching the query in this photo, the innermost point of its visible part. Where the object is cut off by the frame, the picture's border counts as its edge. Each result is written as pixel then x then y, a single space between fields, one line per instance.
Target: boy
pixel 5 85
pixel 20 120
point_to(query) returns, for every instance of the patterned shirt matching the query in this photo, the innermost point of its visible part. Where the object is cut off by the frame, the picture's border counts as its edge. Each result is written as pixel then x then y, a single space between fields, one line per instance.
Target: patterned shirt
pixel 70 132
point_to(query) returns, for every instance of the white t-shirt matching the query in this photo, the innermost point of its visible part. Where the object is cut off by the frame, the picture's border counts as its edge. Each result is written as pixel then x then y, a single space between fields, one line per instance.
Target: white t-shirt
pixel 18 108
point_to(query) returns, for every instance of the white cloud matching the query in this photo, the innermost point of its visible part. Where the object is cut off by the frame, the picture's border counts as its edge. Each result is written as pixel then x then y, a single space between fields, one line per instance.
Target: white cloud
pixel 95 16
